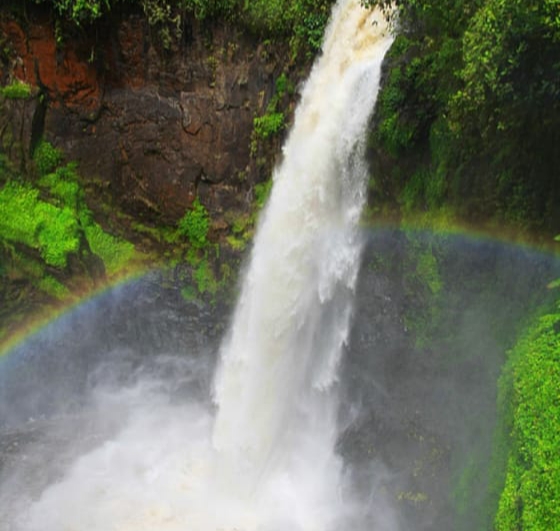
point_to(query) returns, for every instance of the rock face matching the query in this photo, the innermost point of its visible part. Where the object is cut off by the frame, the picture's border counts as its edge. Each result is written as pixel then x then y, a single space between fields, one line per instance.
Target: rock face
pixel 153 127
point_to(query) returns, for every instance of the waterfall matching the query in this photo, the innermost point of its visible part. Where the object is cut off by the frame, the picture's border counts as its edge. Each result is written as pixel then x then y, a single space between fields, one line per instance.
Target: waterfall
pixel 279 362
pixel 262 458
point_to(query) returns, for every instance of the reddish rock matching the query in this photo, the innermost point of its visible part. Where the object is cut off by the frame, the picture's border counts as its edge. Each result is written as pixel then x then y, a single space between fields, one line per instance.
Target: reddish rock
pixel 153 127
pixel 69 80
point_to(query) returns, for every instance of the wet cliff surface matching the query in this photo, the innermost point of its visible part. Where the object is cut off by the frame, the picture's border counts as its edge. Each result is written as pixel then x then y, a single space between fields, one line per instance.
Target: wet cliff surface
pixel 151 127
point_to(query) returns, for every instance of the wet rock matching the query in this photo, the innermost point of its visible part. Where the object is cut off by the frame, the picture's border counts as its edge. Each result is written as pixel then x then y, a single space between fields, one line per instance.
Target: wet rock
pixel 152 126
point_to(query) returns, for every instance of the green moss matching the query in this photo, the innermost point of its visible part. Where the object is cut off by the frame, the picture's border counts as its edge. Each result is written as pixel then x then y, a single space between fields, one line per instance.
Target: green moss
pixel 412 195
pixel 52 287
pixel 262 192
pixel 188 293
pixel 17 90
pixel 25 267
pixel 205 279
pixel 427 271
pixel 115 252
pixel 237 244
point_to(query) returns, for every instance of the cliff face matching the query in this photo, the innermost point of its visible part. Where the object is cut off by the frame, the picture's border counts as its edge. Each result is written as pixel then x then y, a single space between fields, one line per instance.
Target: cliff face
pixel 152 127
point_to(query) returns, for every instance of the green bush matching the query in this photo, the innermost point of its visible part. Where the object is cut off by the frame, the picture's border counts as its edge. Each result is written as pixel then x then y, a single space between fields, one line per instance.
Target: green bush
pixel 47 158
pixel 268 125
pixel 63 185
pixel 57 233
pixel 53 231
pixel 195 225
pixel 16 90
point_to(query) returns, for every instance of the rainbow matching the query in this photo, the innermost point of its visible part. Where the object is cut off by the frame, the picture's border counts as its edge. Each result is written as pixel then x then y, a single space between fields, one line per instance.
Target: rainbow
pixel 34 323
pixel 439 227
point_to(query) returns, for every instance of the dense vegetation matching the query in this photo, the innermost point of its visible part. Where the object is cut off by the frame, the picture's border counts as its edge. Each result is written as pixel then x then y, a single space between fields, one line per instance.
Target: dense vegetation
pixel 46 222
pixel 530 403
pixel 469 119
pixel 302 22
pixel 468 126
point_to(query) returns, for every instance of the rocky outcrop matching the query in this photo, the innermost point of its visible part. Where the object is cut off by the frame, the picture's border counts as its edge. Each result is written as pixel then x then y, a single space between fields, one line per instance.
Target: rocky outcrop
pixel 152 127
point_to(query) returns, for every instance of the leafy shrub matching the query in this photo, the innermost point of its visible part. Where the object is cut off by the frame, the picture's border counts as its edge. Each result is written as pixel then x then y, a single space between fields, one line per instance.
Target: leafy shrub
pixel 57 233
pixel 63 184
pixel 18 222
pixel 38 224
pixel 79 11
pixel 55 230
pixel 195 224
pixel 46 157
pixel 268 125
pixel 16 91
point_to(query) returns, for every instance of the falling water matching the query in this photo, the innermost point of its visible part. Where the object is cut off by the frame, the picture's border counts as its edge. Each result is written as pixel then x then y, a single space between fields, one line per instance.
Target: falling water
pixel 274 388
pixel 262 457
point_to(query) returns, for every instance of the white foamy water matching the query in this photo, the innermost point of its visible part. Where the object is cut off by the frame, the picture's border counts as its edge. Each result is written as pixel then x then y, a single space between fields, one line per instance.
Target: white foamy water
pixel 263 458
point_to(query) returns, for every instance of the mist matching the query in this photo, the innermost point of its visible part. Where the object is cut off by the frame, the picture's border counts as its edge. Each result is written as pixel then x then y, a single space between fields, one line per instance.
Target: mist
pixel 109 408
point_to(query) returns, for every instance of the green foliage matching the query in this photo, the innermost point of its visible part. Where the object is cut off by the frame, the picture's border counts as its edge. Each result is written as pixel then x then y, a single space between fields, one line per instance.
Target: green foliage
pixel 53 231
pixel 195 224
pixel 262 192
pixel 301 22
pixel 283 86
pixel 529 500
pixel 236 243
pixel 268 125
pixel 273 121
pixel 188 293
pixel 472 98
pixel 115 252
pixel 205 279
pixel 79 11
pixel 53 287
pixel 209 9
pixel 17 90
pixel 63 185
pixel 242 229
pixel 57 233
pixel 46 157
pixel 304 20
pixel 53 219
